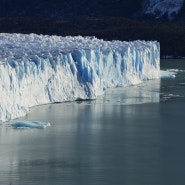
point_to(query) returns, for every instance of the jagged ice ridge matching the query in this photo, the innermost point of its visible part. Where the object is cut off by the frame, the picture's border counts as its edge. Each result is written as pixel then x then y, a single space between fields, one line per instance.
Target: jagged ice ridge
pixel 38 69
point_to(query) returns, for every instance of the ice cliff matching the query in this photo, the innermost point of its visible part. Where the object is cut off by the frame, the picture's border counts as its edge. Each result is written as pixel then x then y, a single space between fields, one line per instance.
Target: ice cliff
pixel 38 69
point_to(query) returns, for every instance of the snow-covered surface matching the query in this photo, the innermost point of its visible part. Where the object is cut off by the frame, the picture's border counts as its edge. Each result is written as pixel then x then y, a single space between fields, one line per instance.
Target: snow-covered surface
pixel 37 69
pixel 27 124
pixel 159 8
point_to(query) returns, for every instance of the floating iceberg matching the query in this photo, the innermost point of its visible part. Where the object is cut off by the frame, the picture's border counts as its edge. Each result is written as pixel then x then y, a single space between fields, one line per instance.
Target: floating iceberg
pixel 38 69
pixel 168 74
pixel 27 124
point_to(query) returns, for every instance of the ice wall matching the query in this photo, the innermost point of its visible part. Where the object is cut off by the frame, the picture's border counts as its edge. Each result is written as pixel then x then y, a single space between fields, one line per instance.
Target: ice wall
pixel 37 69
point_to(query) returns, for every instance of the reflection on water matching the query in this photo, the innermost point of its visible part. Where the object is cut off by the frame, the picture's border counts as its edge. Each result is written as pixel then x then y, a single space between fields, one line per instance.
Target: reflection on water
pixel 130 136
pixel 147 92
pixel 88 143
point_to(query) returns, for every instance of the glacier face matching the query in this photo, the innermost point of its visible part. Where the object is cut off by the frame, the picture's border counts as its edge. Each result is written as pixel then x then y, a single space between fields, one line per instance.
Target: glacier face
pixel 38 69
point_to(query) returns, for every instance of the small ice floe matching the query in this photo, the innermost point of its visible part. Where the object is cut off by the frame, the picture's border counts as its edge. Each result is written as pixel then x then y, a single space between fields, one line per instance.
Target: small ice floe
pixel 167 74
pixel 175 70
pixel 182 84
pixel 165 97
pixel 172 95
pixel 27 124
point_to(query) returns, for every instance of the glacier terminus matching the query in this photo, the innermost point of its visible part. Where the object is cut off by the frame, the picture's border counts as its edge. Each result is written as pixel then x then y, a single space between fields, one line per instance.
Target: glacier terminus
pixel 41 69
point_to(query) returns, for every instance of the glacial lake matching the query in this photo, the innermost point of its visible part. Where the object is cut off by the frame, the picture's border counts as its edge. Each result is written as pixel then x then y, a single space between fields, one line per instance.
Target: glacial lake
pixel 129 136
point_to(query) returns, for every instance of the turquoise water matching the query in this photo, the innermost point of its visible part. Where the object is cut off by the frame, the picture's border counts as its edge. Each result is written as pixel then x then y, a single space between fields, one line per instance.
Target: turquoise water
pixel 129 136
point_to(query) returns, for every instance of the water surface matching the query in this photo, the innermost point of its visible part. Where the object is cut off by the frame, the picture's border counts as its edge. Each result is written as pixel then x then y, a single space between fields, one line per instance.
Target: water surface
pixel 129 136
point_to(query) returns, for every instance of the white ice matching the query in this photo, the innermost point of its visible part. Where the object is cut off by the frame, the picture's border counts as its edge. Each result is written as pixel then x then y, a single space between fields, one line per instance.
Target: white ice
pixel 176 70
pixel 167 75
pixel 170 73
pixel 27 124
pixel 38 69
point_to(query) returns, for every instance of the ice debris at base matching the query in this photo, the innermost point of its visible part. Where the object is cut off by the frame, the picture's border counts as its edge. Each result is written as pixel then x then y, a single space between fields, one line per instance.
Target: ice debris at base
pixel 27 124
pixel 176 70
pixel 38 69
pixel 168 74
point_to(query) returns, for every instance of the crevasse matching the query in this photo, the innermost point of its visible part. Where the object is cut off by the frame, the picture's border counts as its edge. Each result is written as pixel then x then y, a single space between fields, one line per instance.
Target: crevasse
pixel 38 69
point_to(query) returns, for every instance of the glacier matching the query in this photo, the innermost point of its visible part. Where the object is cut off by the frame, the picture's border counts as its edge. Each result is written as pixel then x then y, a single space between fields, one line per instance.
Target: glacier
pixel 42 69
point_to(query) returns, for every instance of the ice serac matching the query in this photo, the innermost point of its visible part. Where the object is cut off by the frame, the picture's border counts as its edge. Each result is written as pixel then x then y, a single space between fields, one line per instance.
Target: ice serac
pixel 38 69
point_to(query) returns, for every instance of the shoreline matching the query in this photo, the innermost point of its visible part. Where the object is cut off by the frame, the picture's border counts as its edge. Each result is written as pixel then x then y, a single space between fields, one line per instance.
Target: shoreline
pixel 170 35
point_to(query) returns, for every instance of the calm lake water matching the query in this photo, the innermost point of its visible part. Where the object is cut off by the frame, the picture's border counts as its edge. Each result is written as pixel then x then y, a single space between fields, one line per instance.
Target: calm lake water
pixel 129 136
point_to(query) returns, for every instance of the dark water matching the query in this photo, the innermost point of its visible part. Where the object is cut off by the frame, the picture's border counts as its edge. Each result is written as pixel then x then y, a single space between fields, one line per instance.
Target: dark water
pixel 130 136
